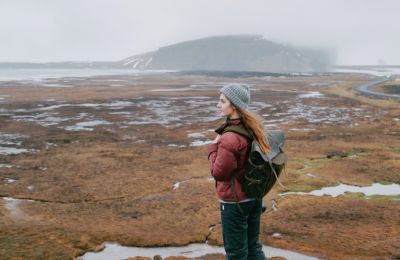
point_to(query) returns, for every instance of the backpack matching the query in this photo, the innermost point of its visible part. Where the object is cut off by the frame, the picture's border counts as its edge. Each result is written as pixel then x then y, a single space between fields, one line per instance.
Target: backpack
pixel 261 170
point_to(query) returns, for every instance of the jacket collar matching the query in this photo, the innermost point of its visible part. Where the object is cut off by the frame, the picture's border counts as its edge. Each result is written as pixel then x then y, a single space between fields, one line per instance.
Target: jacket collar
pixel 232 121
pixel 228 122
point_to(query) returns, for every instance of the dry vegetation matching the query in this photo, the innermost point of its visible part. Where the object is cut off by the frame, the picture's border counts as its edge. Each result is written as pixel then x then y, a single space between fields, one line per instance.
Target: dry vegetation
pixel 79 189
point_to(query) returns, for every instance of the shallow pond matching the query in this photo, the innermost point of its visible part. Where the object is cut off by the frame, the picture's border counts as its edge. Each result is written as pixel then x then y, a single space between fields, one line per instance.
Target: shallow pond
pixel 374 189
pixel 114 251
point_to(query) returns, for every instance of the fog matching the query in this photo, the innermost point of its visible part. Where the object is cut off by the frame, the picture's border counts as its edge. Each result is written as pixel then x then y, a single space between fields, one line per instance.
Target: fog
pixel 360 31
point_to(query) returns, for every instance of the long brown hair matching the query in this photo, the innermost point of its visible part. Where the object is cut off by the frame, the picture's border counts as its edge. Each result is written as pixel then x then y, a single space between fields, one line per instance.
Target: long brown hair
pixel 254 123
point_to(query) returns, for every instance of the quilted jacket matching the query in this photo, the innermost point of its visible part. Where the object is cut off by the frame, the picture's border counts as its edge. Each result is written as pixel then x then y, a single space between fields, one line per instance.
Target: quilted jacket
pixel 227 157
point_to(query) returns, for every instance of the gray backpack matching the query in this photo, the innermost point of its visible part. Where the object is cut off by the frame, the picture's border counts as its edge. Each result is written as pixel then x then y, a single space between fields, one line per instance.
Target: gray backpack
pixel 261 170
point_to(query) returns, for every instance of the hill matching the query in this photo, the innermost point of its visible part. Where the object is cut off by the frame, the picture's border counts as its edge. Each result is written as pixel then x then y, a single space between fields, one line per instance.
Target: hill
pixel 232 53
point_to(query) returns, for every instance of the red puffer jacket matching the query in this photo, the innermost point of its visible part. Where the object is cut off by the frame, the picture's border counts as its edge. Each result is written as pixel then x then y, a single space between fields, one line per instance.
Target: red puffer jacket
pixel 225 157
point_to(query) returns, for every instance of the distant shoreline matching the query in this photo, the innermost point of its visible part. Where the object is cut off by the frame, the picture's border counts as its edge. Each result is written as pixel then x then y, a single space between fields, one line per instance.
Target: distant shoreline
pixel 38 74
pixel 16 73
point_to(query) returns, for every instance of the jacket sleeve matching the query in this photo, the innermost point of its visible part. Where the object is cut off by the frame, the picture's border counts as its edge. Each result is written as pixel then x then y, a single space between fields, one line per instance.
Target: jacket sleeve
pixel 222 157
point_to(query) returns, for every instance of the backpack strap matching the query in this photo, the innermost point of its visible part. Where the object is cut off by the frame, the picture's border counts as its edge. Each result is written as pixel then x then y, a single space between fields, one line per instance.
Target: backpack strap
pixel 234 194
pixel 239 129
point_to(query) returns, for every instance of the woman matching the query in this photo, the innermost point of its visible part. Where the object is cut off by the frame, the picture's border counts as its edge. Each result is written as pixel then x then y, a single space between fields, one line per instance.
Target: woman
pixel 227 155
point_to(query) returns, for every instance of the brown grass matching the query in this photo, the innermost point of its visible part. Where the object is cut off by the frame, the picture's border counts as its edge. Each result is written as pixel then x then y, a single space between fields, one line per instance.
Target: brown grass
pixel 92 187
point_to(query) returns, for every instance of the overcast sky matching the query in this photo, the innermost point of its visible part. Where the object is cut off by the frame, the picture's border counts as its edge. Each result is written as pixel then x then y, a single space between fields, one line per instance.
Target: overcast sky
pixel 361 31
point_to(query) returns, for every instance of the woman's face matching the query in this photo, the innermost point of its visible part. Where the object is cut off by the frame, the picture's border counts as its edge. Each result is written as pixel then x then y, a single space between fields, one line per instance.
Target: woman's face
pixel 225 107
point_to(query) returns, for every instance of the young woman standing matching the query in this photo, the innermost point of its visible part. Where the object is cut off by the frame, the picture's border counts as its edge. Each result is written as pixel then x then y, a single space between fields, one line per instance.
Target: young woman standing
pixel 227 155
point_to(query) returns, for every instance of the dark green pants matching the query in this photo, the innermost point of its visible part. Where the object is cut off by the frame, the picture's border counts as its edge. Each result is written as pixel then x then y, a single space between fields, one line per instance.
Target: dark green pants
pixel 241 230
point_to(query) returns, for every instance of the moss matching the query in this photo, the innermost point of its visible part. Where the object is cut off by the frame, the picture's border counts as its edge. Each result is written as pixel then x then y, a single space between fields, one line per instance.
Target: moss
pixel 384 182
pixel 360 195
pixel 317 163
pixel 357 151
pixel 391 89
pixel 354 195
pixel 307 186
pixel 297 161
pixel 380 197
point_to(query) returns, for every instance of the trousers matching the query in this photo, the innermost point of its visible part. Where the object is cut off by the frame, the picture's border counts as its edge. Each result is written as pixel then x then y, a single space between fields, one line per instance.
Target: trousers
pixel 241 230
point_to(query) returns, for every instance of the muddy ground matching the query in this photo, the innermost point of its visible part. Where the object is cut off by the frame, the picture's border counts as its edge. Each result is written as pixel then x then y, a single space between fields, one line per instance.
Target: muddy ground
pixel 123 158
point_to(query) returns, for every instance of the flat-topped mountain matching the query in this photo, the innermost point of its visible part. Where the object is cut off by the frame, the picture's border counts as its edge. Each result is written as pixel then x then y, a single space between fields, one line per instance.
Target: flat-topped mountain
pixel 235 52
pixel 219 53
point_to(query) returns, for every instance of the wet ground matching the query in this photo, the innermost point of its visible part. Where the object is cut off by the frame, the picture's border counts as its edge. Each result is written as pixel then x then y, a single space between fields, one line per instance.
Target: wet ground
pixel 122 159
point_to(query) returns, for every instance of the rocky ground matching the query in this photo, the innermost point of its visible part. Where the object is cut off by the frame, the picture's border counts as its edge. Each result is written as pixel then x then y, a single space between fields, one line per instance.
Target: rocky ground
pixel 123 158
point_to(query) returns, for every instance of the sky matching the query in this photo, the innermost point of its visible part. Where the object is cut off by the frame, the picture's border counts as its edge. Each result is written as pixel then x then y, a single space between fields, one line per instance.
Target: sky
pixel 361 32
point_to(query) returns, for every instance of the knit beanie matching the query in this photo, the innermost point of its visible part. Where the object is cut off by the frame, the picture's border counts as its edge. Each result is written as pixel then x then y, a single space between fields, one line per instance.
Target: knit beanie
pixel 238 94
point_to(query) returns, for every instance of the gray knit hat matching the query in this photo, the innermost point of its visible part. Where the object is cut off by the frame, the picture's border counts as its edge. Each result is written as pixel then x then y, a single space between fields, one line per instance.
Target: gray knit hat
pixel 238 94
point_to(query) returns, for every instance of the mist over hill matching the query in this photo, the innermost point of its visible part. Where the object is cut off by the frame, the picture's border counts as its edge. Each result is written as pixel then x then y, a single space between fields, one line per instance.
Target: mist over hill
pixel 219 53
pixel 235 52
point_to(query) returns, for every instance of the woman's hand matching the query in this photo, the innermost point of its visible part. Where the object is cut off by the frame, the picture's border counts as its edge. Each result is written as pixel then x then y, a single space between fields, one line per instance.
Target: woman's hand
pixel 216 140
